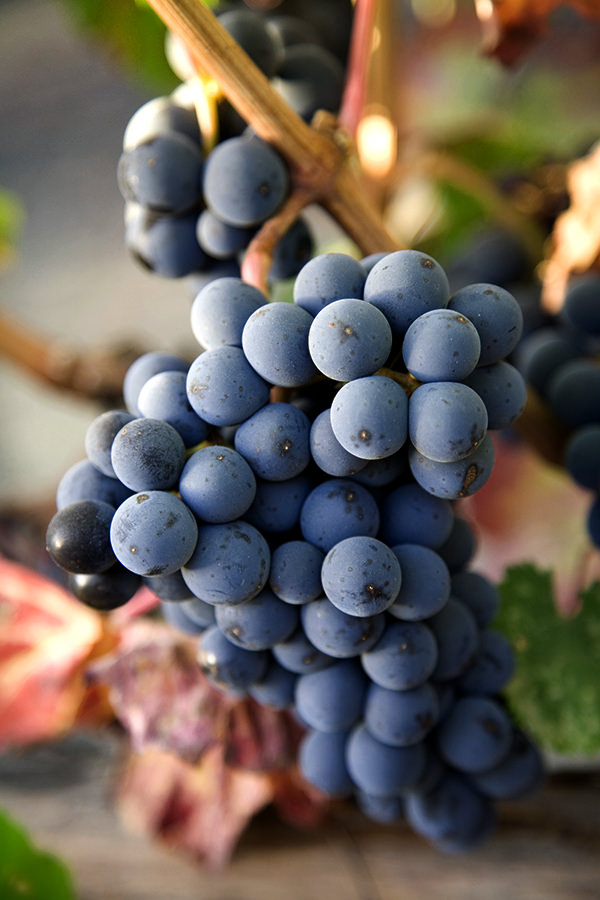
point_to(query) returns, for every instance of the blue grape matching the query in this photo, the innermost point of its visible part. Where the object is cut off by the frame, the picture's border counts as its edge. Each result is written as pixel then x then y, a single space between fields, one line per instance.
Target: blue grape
pixel 404 285
pixel 77 537
pixel 277 505
pixel 148 454
pixel 441 345
pixel 475 735
pixel 453 813
pixel 223 388
pixel 212 271
pixel 369 417
pixel 296 572
pixel 245 181
pixel 332 699
pixel 229 565
pixel 153 533
pixel 493 666
pixel 275 441
pixel 495 314
pixel 403 658
pixel 259 622
pixel 410 515
pixel 593 521
pixel 275 341
pixel 310 78
pixel 257 38
pixel 582 457
pixel 328 277
pixel 425 587
pixel 573 392
pixel 105 590
pixel 328 453
pixel 349 339
pixel 361 576
pixel 165 245
pixel 164 397
pixel 379 769
pixel 367 262
pixel 337 509
pixel 383 810
pixel 203 614
pixel 503 390
pixel 322 762
pixel 163 173
pixel 228 667
pixel 220 311
pixel 379 473
pixel 478 593
pixel 99 436
pixel 83 481
pixel 453 480
pixel 160 115
pixel 581 306
pixel 171 588
pixel 455 630
pixel 446 420
pixel 338 634
pixel 459 548
pixel 143 368
pixel 217 484
pixel 276 688
pixel 298 655
pixel 292 252
pixel 517 775
pixel 541 354
pixel 220 239
pixel 401 718
pixel 175 614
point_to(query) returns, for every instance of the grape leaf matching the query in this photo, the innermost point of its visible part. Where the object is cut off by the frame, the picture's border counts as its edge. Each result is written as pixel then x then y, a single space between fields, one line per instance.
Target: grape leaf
pixel 26 872
pixel 46 639
pixel 201 809
pixel 511 27
pixel 555 693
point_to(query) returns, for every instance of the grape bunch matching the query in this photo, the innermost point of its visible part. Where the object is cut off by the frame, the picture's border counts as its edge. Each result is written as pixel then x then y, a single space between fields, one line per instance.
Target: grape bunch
pixel 289 498
pixel 190 211
pixel 560 364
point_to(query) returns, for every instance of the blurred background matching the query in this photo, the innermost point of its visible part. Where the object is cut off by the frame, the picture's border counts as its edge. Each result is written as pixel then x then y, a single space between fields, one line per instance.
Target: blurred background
pixel 66 94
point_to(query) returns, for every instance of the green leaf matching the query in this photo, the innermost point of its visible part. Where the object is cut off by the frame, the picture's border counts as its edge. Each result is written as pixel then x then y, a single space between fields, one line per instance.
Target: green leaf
pixel 555 694
pixel 27 873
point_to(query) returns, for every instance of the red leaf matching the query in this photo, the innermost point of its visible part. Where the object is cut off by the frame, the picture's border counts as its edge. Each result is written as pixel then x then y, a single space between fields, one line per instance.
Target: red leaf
pixel 201 809
pixel 261 738
pixel 46 638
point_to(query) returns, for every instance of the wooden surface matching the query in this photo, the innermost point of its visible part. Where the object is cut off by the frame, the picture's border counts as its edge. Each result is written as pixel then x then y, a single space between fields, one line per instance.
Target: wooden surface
pixel 545 849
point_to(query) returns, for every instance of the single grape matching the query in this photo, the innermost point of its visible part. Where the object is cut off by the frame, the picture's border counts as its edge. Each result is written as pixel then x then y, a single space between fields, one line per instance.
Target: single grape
pixel 143 368
pixel 476 735
pixel 361 576
pixel 425 587
pixel 220 311
pixel 223 388
pixel 455 630
pixel 453 812
pixel 256 36
pixel 328 277
pixel 332 699
pixel 298 655
pixel 337 509
pixel 228 667
pixel 369 417
pixel 275 341
pixel 403 658
pixel 220 239
pixel 410 515
pixel 581 306
pixel 441 345
pixel 161 115
pixel 275 441
pixel 349 339
pixel 582 457
pixel 378 768
pixel 454 480
pixel 83 481
pixel 503 390
pixel 296 572
pixel 259 622
pixel 165 245
pixel 148 455
pixel 163 173
pixel 105 590
pixel 493 666
pixel 496 315
pixel 310 78
pixel 404 285
pixel 276 688
pixel 401 718
pixel 164 397
pixel 277 505
pixel 517 775
pixel 153 533
pixel 230 563
pixel 99 436
pixel 77 537
pixel 217 484
pixel 459 548
pixel 322 762
pixel 170 588
pixel 446 420
pixel 328 453
pixel 338 634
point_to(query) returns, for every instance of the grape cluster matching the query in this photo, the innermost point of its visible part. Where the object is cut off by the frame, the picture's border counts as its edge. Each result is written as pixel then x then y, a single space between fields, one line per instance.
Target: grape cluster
pixel 288 497
pixel 560 364
pixel 189 212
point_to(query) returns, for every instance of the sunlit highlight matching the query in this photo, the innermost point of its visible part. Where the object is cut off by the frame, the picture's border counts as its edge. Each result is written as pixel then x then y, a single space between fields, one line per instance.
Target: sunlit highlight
pixel 376 142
